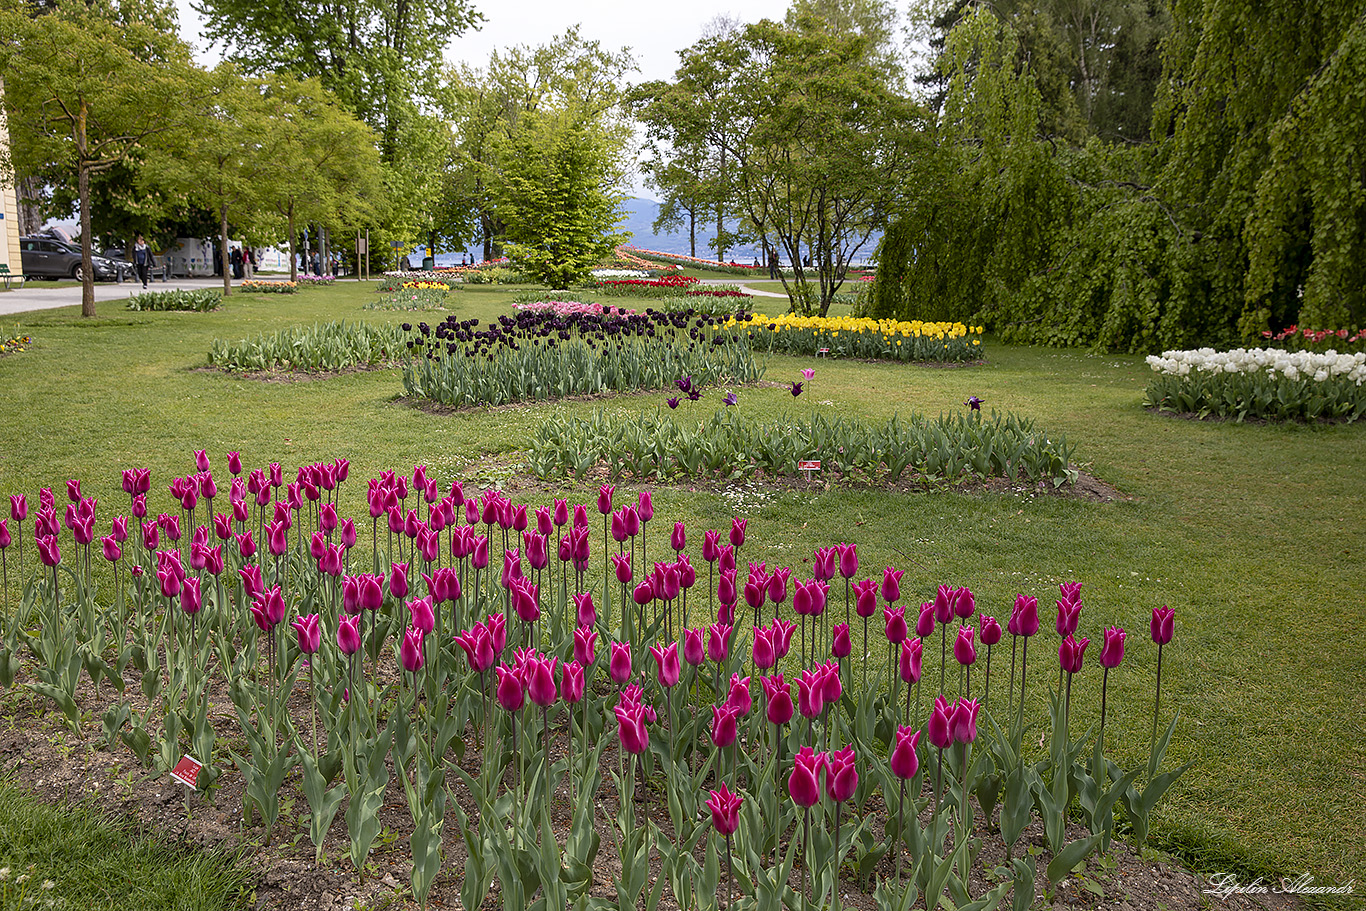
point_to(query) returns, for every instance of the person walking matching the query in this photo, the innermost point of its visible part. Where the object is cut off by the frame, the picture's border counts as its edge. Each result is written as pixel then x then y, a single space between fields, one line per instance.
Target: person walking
pixel 248 262
pixel 142 259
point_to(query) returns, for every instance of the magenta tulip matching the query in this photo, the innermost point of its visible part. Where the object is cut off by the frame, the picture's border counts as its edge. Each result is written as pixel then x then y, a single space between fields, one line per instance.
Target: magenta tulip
pixel 1024 619
pixel 694 653
pixel 605 499
pixel 938 728
pixel 718 642
pixel 811 693
pixel 963 721
pixel 964 652
pixel 619 665
pixel 841 776
pixel 511 693
pixel 348 634
pixel 910 662
pixel 778 697
pixel 1069 614
pixel 308 632
pixel 723 729
pixel 865 597
pixel 584 611
pixel 848 559
pixel 631 732
pixel 666 661
pixel 1163 624
pixel 541 681
pixel 1070 653
pixel 804 783
pixel 572 682
pixel 1112 651
pixel 725 810
pixel 904 760
pixel 991 631
pixel 891 585
pixel 191 598
pixel 895 624
pixel 840 646
pixel 739 697
pixel 737 532
pixel 422 614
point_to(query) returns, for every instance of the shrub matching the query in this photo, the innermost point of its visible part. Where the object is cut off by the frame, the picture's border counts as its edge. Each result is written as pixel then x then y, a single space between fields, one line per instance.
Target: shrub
pixel 725 446
pixel 1268 383
pixel 199 301
pixel 544 355
pixel 321 348
pixel 867 338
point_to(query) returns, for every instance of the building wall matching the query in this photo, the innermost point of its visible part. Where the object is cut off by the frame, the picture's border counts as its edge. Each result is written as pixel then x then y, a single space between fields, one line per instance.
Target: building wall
pixel 9 206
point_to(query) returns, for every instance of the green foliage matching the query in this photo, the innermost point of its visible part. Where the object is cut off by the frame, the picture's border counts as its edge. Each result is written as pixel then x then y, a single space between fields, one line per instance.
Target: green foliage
pixel 199 301
pixel 89 88
pixel 78 855
pixel 322 348
pixel 557 198
pixel 659 446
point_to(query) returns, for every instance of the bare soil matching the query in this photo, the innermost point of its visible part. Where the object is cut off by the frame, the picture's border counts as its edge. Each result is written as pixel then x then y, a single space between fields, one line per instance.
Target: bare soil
pixel 38 752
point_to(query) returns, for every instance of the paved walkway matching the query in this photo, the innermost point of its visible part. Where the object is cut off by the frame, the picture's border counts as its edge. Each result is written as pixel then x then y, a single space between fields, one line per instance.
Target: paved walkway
pixel 40 295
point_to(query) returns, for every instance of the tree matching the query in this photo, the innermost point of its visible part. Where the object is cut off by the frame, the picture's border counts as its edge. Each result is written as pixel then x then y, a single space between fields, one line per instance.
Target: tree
pixel 324 165
pixel 489 108
pixel 557 196
pixel 381 60
pixel 88 87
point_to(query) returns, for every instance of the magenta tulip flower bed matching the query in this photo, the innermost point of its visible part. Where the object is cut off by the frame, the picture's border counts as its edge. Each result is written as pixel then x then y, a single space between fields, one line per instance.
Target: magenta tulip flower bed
pixel 527 672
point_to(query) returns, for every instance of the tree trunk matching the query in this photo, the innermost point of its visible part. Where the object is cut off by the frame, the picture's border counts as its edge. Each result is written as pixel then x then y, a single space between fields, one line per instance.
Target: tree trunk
pixel 83 191
pixel 223 246
pixel 721 216
pixel 293 257
pixel 692 231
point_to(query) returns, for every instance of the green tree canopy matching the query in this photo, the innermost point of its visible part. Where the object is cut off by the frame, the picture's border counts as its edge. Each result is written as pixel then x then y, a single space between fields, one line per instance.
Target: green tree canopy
pixel 89 87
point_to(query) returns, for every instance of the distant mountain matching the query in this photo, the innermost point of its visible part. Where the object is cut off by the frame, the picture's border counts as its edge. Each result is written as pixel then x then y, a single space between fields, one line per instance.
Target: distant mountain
pixel 639 221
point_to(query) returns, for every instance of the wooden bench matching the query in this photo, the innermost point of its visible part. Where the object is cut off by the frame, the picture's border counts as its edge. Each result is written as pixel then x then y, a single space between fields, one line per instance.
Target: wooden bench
pixel 9 278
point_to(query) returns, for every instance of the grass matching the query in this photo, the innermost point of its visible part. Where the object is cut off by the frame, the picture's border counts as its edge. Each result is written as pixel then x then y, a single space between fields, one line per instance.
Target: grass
pixel 1254 533
pixel 95 865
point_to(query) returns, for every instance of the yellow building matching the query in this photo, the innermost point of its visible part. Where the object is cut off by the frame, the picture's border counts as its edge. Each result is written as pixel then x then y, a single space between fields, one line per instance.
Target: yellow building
pixel 9 206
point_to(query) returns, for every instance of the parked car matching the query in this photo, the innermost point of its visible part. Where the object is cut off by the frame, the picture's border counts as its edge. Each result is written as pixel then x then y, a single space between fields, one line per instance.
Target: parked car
pixel 47 257
pixel 121 262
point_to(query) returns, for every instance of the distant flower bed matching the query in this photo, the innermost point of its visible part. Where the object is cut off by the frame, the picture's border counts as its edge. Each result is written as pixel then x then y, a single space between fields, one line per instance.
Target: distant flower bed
pixel 426 286
pixel 620 273
pixel 567 307
pixel 868 338
pixel 259 287
pixel 199 301
pixel 678 259
pixel 717 291
pixel 1295 338
pixel 1264 383
pixel 14 344
pixel 315 281
pixel 663 286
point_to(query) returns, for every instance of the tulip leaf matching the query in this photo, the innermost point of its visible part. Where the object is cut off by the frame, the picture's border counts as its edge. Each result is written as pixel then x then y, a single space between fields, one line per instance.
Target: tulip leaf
pixel 1073 853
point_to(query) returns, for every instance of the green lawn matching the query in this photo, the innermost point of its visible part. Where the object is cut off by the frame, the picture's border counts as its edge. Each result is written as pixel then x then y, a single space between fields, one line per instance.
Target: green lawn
pixel 1255 534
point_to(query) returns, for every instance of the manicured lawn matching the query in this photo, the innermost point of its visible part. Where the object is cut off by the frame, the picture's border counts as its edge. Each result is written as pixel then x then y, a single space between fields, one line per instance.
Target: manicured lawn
pixel 1255 534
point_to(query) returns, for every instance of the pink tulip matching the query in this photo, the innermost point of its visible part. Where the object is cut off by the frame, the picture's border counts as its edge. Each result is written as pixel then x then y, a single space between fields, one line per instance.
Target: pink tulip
pixel 541 681
pixel 348 634
pixel 778 696
pixel 865 597
pixel 572 682
pixel 694 653
pixel 1163 624
pixel 964 652
pixel 739 697
pixel 725 810
pixel 718 642
pixel 840 646
pixel 1071 652
pixel 910 660
pixel 511 692
pixel 631 728
pixel 841 776
pixel 666 659
pixel 963 720
pixel 803 785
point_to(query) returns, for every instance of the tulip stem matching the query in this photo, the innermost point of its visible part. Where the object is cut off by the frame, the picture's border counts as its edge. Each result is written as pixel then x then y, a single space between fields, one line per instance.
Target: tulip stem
pixel 1104 690
pixel 900 828
pixel 835 860
pixel 1157 701
pixel 1024 669
pixel 730 874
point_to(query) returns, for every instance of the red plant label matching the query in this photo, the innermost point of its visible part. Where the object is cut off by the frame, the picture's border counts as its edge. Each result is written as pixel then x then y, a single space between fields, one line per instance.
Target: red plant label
pixel 809 465
pixel 186 771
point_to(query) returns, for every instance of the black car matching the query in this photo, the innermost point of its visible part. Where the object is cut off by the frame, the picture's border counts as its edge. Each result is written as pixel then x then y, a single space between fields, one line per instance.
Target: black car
pixel 47 257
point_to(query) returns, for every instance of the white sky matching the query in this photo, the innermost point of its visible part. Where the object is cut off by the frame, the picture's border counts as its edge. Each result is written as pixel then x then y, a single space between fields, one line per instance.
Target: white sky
pixel 654 31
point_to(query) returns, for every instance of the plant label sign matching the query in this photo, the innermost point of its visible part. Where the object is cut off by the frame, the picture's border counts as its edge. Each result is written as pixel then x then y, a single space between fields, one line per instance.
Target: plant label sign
pixel 822 352
pixel 808 466
pixel 186 771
